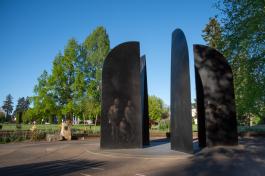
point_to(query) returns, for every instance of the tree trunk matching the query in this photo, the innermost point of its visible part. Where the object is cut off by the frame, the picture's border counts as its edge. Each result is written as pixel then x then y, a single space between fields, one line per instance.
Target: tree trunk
pixel 249 120
pixel 20 118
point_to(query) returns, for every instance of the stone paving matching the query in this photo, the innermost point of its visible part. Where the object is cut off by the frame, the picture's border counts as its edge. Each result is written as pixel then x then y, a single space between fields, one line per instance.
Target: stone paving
pixel 84 158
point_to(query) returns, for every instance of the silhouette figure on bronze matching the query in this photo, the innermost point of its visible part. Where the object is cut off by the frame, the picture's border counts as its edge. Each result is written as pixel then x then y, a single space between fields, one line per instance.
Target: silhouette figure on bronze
pixel 113 115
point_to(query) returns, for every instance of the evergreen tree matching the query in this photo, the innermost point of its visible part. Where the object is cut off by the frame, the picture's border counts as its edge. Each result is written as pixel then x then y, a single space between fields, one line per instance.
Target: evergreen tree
pixel 8 106
pixel 212 33
pixel 22 107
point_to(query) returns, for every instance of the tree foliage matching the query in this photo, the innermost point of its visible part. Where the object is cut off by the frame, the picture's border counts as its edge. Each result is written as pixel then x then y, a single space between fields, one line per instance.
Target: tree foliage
pixel 21 108
pixel 22 104
pixel 212 33
pixel 157 108
pixel 75 77
pixel 44 104
pixel 8 106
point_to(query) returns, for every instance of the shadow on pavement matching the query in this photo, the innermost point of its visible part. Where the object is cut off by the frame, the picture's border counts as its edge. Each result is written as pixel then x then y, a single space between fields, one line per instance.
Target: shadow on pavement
pixel 224 160
pixel 156 142
pixel 162 141
pixel 50 168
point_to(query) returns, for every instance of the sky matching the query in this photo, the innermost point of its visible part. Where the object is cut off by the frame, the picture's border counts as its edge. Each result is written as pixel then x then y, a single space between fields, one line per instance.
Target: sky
pixel 33 32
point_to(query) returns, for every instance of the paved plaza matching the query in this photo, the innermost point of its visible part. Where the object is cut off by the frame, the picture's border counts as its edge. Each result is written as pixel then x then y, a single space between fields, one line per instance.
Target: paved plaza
pixel 84 158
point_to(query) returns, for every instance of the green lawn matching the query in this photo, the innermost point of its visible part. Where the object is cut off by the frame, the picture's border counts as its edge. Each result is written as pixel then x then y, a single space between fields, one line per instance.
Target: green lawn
pixel 96 129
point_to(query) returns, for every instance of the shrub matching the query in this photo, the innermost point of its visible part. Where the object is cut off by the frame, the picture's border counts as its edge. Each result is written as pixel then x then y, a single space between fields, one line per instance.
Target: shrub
pixel 163 125
pixel 14 137
pixel 38 135
pixel 18 126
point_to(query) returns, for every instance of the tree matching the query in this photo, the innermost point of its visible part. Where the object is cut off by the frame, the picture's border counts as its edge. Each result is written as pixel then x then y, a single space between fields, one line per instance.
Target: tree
pixel 22 107
pixel 244 32
pixel 95 50
pixel 88 73
pixel 212 33
pixel 8 106
pixel 156 108
pixel 44 106
pixel 30 116
pixel 243 26
pixel 75 76
pixel 63 78
pixel 91 109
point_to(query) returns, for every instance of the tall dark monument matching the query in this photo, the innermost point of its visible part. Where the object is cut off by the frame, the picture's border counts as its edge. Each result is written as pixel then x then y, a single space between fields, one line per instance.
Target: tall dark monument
pixel 180 103
pixel 124 100
pixel 215 98
pixel 144 93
